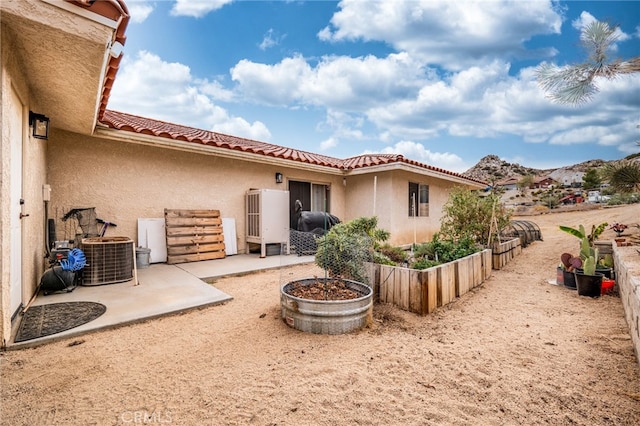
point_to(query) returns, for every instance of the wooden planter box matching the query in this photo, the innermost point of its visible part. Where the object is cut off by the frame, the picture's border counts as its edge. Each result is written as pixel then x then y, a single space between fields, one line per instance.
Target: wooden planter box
pixel 422 291
pixel 504 252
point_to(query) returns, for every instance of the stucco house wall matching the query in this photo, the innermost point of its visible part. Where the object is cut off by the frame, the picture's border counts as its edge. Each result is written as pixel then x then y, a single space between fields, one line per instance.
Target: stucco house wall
pixel 126 181
pixel 391 189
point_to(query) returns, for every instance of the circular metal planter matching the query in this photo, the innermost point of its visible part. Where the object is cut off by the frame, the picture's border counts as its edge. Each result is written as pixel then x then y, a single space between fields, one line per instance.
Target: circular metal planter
pixel 326 316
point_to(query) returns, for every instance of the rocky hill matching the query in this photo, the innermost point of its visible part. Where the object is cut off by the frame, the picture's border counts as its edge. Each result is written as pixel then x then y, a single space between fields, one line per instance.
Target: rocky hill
pixel 492 169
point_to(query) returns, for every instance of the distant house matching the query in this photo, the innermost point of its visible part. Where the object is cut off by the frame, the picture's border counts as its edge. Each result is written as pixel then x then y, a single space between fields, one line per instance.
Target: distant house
pixel 508 184
pixel 60 59
pixel 543 182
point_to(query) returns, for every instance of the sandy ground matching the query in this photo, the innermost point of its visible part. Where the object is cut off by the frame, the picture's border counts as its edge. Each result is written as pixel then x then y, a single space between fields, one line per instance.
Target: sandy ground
pixel 516 350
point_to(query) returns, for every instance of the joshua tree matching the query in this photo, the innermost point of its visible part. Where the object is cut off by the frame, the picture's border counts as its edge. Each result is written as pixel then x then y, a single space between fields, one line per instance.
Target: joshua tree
pixel 575 84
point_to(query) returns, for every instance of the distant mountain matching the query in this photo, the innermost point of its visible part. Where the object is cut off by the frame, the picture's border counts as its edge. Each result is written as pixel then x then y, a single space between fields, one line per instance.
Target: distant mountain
pixel 491 168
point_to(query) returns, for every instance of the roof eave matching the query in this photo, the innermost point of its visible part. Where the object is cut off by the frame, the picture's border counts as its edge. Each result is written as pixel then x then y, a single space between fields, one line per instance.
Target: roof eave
pixel 419 170
pixel 168 143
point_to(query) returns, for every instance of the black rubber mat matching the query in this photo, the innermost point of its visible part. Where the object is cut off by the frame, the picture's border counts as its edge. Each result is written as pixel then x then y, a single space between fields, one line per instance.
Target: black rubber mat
pixel 45 320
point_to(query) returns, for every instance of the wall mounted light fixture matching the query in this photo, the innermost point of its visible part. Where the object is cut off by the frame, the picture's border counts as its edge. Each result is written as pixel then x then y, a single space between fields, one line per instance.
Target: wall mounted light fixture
pixel 40 124
pixel 278 177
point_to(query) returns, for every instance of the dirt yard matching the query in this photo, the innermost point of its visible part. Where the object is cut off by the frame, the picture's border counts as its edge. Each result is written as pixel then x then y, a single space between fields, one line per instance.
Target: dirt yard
pixel 517 350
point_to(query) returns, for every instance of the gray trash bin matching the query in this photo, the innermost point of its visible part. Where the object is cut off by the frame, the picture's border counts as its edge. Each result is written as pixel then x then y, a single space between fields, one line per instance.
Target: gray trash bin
pixel 143 257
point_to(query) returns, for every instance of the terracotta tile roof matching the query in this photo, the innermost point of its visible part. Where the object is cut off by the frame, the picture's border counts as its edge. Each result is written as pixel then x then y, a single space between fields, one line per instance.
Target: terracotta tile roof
pixel 117 11
pixel 147 126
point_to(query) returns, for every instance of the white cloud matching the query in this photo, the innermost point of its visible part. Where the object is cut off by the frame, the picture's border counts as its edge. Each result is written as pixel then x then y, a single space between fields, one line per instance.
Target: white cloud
pixel 277 84
pixel 151 87
pixel 400 99
pixel 453 34
pixel 335 81
pixel 139 11
pixel 328 144
pixel 418 152
pixel 196 8
pixel 269 40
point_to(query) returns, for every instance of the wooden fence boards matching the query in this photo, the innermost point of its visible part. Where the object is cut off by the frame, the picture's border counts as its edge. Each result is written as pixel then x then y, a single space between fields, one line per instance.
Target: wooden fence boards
pixel 193 235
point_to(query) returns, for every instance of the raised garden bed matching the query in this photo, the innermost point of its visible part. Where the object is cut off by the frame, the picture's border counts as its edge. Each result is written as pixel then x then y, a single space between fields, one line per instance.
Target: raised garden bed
pixel 422 291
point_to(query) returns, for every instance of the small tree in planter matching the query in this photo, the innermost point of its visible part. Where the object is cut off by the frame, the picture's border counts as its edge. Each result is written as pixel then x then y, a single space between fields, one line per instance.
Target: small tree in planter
pixel 341 300
pixel 343 251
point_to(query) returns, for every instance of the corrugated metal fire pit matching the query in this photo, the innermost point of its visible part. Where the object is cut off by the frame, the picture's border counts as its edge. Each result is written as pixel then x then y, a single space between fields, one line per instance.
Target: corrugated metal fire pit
pixel 327 316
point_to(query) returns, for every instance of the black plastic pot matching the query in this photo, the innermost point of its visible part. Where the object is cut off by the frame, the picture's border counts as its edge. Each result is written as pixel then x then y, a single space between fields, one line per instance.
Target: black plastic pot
pixel 569 279
pixel 607 272
pixel 589 285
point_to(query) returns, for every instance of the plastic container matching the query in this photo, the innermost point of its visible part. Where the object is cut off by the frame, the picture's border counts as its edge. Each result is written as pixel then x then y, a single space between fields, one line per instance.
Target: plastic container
pixel 589 285
pixel 143 257
pixel 607 285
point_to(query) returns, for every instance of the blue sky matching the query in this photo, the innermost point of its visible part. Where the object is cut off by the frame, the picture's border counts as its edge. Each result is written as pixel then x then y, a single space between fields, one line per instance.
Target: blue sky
pixel 441 82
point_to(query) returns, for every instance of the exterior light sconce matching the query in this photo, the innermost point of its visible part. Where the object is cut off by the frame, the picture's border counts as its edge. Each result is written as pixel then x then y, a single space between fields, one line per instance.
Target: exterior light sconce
pixel 40 124
pixel 278 177
pixel 344 181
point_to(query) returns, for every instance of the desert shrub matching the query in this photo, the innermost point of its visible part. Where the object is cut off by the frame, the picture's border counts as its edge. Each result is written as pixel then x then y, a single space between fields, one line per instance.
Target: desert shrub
pixel 622 198
pixel 550 201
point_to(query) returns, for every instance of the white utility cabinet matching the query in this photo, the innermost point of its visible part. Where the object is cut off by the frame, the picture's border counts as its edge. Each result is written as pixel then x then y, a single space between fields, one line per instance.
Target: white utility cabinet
pixel 267 218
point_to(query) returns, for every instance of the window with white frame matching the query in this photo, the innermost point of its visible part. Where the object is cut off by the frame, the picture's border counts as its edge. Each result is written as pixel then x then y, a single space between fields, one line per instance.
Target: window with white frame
pixel 418 200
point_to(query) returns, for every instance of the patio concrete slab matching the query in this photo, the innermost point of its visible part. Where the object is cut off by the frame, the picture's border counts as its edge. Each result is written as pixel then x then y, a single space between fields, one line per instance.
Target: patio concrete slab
pixel 161 290
pixel 241 264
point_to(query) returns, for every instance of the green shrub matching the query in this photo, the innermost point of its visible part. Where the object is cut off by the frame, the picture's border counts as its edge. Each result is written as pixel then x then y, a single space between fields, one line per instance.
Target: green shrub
pixel 443 251
pixel 382 259
pixel 344 249
pixel 466 214
pixel 424 264
pixel 395 254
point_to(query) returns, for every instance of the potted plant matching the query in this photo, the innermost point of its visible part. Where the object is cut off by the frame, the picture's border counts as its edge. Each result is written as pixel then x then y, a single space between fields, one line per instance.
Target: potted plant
pixel 604 265
pixel 568 265
pixel 588 281
pixel 618 228
pixel 341 301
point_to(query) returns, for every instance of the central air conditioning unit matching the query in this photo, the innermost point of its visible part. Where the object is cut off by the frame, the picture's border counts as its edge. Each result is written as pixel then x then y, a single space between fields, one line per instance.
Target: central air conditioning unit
pixel 267 218
pixel 110 260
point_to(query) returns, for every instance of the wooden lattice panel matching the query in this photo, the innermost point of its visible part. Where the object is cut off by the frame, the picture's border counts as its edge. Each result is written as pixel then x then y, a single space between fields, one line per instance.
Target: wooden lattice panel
pixel 193 235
